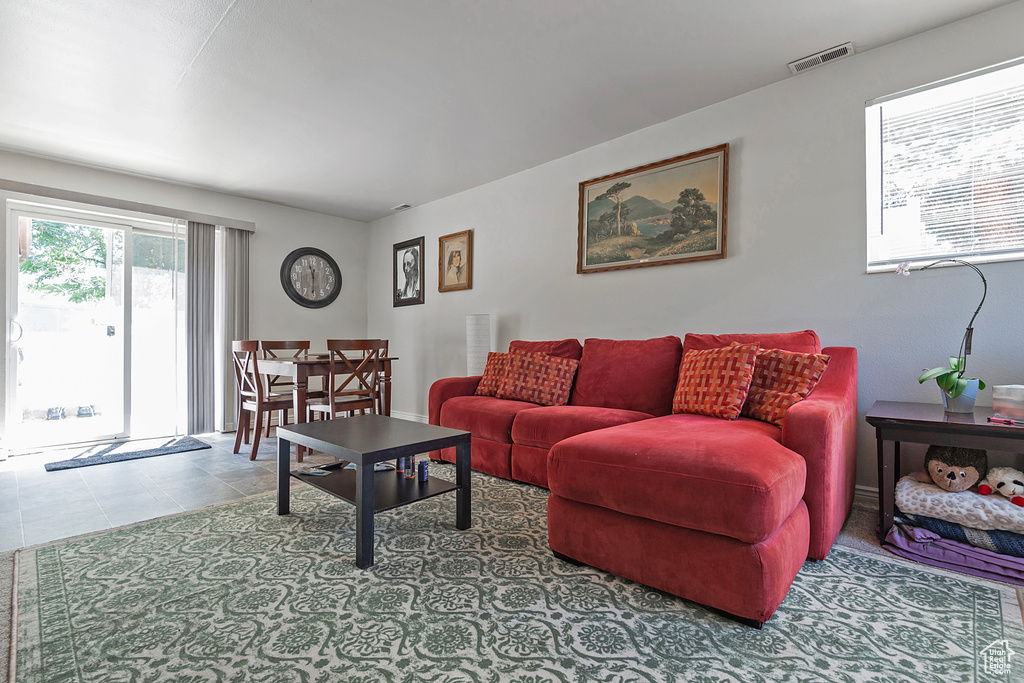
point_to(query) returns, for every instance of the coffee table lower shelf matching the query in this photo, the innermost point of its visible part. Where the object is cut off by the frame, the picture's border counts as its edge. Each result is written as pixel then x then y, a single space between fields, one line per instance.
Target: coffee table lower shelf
pixel 366 440
pixel 390 489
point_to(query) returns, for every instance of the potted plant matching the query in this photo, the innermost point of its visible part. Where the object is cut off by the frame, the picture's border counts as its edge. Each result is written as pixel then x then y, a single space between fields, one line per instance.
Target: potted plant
pixel 958 392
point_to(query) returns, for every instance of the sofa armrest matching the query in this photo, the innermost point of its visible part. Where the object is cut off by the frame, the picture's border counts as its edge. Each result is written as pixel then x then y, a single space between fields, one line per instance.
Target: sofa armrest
pixel 823 429
pixel 449 387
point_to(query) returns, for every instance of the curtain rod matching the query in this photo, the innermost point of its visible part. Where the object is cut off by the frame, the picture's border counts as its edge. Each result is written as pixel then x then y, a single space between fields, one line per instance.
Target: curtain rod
pixel 111 203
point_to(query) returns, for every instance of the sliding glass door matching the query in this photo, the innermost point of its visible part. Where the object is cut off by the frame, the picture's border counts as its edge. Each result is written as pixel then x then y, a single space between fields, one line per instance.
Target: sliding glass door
pixel 68 356
pixel 96 327
pixel 157 333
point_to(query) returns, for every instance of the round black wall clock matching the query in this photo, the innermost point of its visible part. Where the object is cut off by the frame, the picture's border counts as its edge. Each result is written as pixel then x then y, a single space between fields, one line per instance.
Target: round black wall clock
pixel 310 277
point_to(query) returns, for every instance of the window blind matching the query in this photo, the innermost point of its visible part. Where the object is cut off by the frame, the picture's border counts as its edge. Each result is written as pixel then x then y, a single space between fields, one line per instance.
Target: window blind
pixel 946 171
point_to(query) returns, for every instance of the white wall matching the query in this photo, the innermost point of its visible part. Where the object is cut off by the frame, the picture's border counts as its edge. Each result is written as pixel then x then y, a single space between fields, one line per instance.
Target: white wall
pixel 796 241
pixel 279 230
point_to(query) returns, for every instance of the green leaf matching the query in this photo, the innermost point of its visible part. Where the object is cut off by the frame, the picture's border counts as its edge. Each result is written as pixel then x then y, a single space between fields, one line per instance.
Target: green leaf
pixel 957 387
pixel 947 381
pixel 932 374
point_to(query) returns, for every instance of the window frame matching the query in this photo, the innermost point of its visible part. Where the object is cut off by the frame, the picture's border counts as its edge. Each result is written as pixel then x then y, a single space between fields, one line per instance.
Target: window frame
pixel 875 178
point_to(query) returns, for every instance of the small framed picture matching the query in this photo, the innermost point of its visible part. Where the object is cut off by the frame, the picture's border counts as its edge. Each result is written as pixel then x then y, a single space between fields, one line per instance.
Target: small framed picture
pixel 455 262
pixel 408 282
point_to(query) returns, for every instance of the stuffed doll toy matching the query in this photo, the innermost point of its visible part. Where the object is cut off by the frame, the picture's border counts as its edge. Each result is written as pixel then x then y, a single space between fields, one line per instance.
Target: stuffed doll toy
pixel 1007 481
pixel 954 469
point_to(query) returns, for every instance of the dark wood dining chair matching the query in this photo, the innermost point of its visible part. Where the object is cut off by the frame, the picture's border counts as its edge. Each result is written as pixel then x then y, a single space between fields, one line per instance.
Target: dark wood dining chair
pixel 279 384
pixel 354 380
pixel 252 396
pixel 383 379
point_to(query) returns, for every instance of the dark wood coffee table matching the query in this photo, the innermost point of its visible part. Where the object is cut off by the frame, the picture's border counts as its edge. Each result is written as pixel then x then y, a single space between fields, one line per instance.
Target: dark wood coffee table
pixel 366 440
pixel 895 422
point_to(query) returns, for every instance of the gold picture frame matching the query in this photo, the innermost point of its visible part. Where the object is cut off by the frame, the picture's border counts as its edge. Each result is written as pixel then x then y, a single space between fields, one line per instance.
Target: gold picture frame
pixel 455 261
pixel 671 211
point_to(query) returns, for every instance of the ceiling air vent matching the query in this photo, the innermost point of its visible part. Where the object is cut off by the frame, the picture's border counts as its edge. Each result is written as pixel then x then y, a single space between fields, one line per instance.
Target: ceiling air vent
pixel 823 57
pixel 401 207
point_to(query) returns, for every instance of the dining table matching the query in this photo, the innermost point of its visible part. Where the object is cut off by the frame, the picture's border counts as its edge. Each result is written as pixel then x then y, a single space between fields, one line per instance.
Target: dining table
pixel 318 364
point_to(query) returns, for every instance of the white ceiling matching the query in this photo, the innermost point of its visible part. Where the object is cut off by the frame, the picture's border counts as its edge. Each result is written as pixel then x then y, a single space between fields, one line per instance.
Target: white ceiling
pixel 350 107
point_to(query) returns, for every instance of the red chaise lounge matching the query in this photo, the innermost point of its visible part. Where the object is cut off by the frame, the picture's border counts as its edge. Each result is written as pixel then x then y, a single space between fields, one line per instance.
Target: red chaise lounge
pixel 720 512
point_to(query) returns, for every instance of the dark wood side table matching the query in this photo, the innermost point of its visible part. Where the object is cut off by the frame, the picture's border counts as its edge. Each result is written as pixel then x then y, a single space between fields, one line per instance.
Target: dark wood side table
pixel 928 423
pixel 366 440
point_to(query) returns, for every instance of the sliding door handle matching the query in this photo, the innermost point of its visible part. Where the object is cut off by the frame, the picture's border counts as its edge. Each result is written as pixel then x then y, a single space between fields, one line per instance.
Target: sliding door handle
pixel 21 331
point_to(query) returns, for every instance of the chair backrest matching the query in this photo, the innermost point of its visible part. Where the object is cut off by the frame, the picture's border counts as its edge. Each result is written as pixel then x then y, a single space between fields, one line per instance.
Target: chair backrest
pixel 247 374
pixel 355 368
pixel 269 347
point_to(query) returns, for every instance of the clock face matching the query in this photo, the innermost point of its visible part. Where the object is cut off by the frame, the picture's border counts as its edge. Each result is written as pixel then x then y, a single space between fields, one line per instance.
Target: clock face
pixel 310 277
pixel 313 278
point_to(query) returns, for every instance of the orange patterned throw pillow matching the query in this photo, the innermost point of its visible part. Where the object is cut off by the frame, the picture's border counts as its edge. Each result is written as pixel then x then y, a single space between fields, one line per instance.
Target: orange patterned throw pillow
pixel 715 381
pixel 537 378
pixel 781 378
pixel 493 372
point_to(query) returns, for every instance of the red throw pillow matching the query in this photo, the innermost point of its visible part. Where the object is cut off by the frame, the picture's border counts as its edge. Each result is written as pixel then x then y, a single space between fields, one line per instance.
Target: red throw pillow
pixel 781 378
pixel 493 372
pixel 563 348
pixel 715 381
pixel 537 378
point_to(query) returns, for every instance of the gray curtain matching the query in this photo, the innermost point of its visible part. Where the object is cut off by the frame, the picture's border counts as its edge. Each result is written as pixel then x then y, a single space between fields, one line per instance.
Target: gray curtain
pixel 235 266
pixel 199 275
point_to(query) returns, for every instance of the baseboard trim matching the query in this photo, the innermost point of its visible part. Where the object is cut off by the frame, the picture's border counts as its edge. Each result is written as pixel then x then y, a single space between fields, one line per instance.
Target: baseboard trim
pixel 866 495
pixel 410 416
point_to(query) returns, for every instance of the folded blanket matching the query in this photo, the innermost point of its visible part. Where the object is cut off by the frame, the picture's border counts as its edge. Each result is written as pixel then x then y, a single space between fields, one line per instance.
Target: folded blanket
pixel 1004 542
pixel 966 508
pixel 929 548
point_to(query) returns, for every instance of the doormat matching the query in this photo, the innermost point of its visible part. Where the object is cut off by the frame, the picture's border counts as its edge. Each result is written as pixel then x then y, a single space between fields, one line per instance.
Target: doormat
pixel 131 450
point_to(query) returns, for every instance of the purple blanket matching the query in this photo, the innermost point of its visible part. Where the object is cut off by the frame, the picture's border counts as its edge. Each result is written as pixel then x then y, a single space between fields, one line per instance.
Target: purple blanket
pixel 928 547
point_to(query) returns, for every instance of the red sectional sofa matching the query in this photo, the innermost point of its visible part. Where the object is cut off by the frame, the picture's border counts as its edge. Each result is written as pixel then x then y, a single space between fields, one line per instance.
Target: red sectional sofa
pixel 720 512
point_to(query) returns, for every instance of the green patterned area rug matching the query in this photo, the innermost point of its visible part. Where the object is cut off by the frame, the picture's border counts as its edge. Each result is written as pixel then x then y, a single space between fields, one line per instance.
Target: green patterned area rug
pixel 236 594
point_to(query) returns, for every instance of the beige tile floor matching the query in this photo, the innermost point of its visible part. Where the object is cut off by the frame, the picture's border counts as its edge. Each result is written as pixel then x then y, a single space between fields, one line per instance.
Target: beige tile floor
pixel 37 506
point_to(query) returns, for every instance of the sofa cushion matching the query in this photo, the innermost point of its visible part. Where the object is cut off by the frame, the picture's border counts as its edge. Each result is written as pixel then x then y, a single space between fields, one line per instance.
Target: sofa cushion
pixel 728 478
pixel 799 342
pixel 781 378
pixel 631 374
pixel 747 580
pixel 494 371
pixel 564 348
pixel 530 464
pixel 544 427
pixel 537 378
pixel 486 417
pixel 489 457
pixel 715 381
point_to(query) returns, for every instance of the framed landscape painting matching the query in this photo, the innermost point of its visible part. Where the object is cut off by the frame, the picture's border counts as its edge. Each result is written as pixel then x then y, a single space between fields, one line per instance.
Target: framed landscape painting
pixel 671 211
pixel 408 272
pixel 455 261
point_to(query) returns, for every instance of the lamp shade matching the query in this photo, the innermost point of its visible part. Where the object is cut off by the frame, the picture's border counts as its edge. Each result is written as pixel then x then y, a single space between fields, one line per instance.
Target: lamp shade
pixel 478 342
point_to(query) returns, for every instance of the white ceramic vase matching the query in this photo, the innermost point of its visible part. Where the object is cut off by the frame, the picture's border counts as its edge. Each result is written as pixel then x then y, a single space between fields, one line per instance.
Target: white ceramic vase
pixel 964 403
